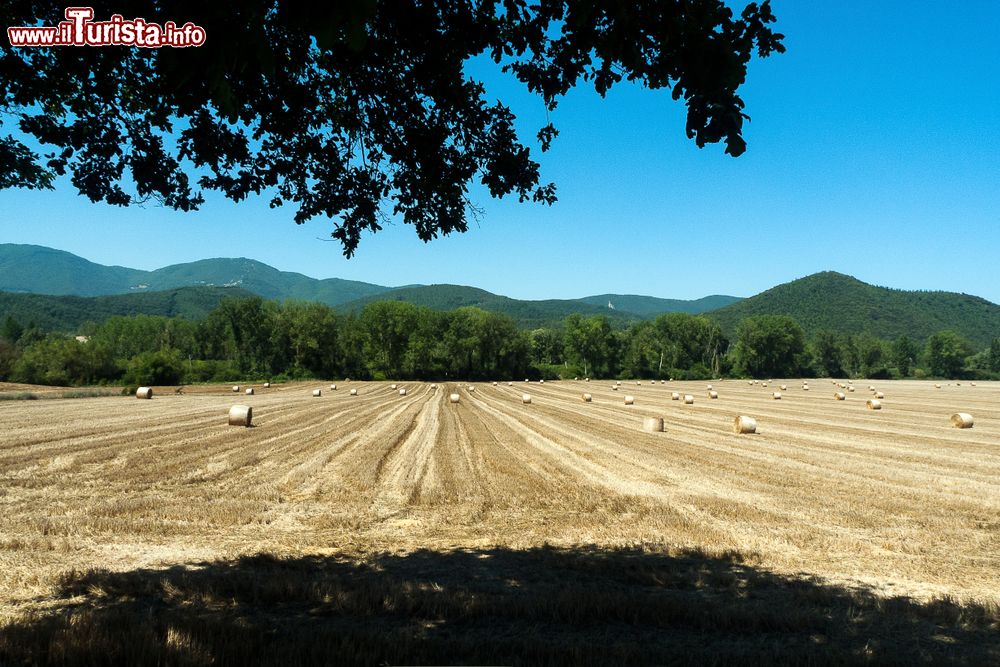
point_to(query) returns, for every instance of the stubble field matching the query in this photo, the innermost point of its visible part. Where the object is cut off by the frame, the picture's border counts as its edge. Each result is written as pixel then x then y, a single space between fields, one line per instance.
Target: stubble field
pixel 386 528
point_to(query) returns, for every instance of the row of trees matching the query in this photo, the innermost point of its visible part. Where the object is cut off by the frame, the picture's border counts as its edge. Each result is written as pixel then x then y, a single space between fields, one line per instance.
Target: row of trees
pixel 246 339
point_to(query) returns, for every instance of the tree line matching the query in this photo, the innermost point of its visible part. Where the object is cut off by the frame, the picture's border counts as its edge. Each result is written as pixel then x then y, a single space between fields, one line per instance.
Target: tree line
pixel 253 339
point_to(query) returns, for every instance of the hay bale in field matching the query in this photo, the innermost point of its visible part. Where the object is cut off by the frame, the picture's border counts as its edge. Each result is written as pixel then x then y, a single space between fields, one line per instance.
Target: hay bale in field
pixel 494 383
pixel 629 400
pixel 392 386
pixel 710 387
pixel 871 387
pixel 961 420
pixel 317 392
pixel 354 392
pixel 333 387
pixel 937 386
pixel 776 395
pixel 663 381
pixel 675 396
pixel 249 391
pixel 526 398
pixel 471 388
pixel 763 384
pixel 750 382
pixel 434 386
pixel 614 387
pixel 713 394
pixel 783 387
pixel 972 384
pixel 510 384
pixel 144 392
pixel 402 392
pixel 688 399
pixel 850 389
pixel 874 404
pixel 236 388
pixel 267 385
pixel 744 424
pixel 618 382
pixel 454 398
pixel 586 379
pixel 652 424
pixel 240 415
pixel 587 398
pixel 879 394
pixel 805 387
pixel 840 396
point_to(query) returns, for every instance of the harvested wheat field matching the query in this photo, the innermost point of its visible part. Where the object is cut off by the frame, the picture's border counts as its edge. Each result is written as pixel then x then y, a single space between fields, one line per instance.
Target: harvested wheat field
pixel 382 528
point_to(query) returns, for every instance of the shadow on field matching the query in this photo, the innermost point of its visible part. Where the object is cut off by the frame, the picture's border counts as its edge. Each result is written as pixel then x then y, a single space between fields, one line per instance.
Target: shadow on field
pixel 540 606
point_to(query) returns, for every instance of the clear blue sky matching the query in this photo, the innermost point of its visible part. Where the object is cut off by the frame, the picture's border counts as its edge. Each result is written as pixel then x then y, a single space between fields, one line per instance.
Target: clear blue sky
pixel 874 150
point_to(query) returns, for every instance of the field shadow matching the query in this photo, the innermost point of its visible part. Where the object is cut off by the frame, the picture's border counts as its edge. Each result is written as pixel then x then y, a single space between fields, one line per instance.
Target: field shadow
pixel 547 605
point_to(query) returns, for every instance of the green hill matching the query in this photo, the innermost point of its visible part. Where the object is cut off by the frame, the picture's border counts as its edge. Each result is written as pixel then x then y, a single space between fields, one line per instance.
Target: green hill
pixel 528 314
pixel 40 270
pixel 66 313
pixel 843 304
pixel 650 306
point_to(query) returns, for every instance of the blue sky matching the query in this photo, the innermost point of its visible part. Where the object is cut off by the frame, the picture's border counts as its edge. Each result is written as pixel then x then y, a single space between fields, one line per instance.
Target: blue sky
pixel 874 150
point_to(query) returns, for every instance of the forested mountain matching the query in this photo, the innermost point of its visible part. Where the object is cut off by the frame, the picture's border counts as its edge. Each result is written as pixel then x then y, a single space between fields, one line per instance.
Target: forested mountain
pixel 41 270
pixel 651 305
pixel 66 313
pixel 831 301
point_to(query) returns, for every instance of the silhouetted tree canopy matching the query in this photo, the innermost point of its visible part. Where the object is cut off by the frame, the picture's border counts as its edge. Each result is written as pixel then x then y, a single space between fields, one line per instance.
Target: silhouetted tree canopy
pixel 358 111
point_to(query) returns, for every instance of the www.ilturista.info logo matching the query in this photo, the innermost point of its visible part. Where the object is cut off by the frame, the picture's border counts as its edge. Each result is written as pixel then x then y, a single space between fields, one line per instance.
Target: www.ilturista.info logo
pixel 80 30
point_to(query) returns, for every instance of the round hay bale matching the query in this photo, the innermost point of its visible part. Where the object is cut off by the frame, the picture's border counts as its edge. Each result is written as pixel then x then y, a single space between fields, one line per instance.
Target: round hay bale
pixel 454 398
pixel 236 388
pixel 663 381
pixel 783 387
pixel 972 384
pixel 710 387
pixel 675 396
pixel 937 386
pixel 471 388
pixel 763 384
pixel 713 394
pixel 526 398
pixel 249 391
pixel 510 384
pixel 333 387
pixel 805 387
pixel 638 384
pixel 879 395
pixel 494 384
pixel 871 387
pixel 614 387
pixel 744 424
pixel 240 415
pixel 874 404
pixel 688 399
pixel 402 392
pixel 317 392
pixel 587 398
pixel 840 396
pixel 575 378
pixel 776 395
pixel 652 424
pixel 434 386
pixel 354 392
pixel 629 400
pixel 961 420
pixel 755 381
pixel 144 392
pixel 750 382
pixel 586 379
pixel 392 386
pixel 526 379
pixel 850 389
pixel 267 385
pixel 541 381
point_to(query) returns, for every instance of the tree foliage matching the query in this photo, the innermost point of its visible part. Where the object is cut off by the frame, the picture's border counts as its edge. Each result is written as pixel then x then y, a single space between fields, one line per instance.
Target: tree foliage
pixel 354 111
